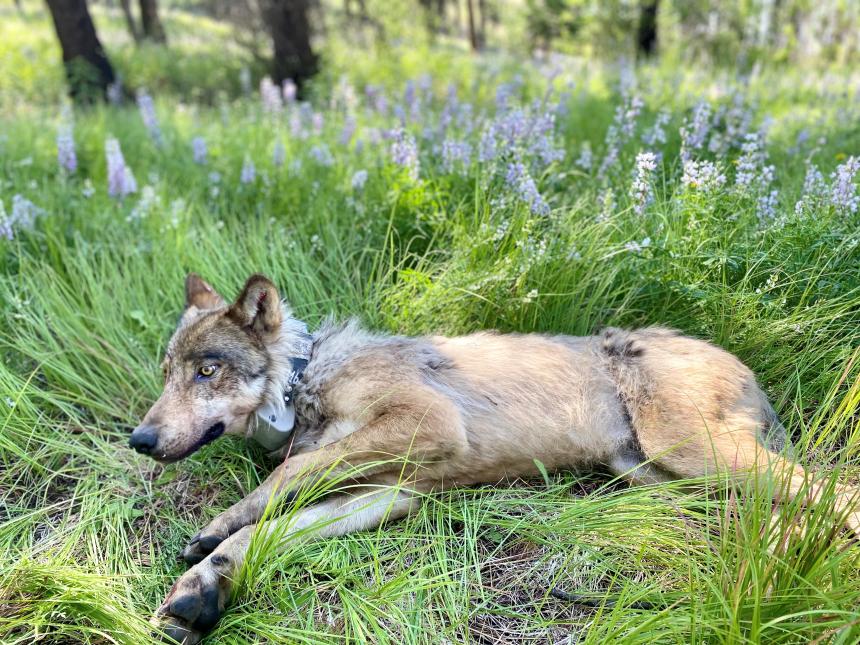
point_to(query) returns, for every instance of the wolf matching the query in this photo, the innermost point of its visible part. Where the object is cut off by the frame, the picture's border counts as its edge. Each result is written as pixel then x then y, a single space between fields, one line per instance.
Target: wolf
pixel 402 417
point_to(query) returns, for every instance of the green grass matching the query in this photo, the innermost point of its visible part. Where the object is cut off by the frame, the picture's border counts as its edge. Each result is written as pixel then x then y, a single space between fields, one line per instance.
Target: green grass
pixel 91 531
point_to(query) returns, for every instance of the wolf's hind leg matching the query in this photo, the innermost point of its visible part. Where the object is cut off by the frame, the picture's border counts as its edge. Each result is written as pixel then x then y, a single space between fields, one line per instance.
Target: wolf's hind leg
pixel 743 458
pixel 631 464
pixel 197 600
pixel 697 410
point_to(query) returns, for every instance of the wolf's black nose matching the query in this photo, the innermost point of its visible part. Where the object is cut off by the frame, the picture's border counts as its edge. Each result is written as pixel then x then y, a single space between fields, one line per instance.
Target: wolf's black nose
pixel 143 439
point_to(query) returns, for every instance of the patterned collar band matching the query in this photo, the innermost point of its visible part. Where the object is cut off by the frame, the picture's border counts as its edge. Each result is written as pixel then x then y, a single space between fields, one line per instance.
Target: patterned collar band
pixel 274 422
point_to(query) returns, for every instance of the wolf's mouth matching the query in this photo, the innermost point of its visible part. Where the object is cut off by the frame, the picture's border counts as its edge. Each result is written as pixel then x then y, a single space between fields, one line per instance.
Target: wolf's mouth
pixel 212 433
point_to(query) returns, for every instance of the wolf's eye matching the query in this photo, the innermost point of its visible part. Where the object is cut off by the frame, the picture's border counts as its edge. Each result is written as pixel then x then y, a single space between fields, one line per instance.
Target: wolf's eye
pixel 207 371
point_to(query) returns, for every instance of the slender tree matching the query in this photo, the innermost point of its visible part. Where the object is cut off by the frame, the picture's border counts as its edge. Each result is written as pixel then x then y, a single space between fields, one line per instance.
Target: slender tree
pixel 129 19
pixel 289 26
pixel 88 69
pixel 646 34
pixel 152 27
pixel 474 36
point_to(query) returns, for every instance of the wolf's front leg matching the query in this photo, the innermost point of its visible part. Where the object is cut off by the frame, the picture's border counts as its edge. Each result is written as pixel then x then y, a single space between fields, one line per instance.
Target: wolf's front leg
pixel 197 600
pixel 245 512
pixel 425 428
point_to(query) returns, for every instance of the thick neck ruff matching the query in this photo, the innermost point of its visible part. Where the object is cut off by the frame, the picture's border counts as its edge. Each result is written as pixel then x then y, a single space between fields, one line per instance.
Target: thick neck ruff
pixel 272 425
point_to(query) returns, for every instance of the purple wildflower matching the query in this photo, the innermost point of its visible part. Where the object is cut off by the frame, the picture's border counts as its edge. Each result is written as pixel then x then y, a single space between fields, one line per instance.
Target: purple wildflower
pixel 199 150
pixel 289 91
pixel 512 126
pixel 322 155
pixel 637 247
pixel 505 92
pixel 359 178
pixel 279 154
pixel 606 199
pixel 404 152
pixel 799 142
pixel 456 153
pixel 115 91
pixel 450 108
pixel 487 148
pixel 586 158
pixel 411 101
pixel 66 156
pixel 814 188
pixel 657 134
pixel 148 201
pixel 297 130
pixel 374 136
pixel 695 132
pixel 627 117
pixel 24 214
pixel 613 149
pixel 147 113
pixel 270 95
pixel 541 137
pixel 249 171
pixel 751 161
pixel 121 180
pixel 641 191
pixel 380 103
pixel 518 177
pixel 843 193
pixel 619 132
pixel 703 176
pixel 317 122
pixel 465 118
pixel 347 131
pixel 766 206
pixel 6 229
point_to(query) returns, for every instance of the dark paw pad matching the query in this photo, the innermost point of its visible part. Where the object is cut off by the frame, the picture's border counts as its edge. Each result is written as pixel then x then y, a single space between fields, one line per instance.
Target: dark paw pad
pixel 209 542
pixel 186 607
pixel 200 547
pixel 193 609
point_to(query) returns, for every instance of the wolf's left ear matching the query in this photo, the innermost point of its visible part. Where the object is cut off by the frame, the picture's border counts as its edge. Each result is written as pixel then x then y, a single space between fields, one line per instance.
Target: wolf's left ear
pixel 258 307
pixel 198 293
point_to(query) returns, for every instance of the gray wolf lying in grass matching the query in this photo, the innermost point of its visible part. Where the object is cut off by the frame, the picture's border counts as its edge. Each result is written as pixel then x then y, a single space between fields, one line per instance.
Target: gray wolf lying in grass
pixel 400 417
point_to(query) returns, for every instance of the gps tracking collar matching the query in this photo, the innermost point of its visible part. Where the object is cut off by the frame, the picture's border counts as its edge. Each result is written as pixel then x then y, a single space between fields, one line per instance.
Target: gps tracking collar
pixel 274 421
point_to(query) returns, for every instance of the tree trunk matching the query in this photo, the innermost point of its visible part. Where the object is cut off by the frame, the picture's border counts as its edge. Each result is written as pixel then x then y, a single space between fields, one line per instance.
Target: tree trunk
pixel 152 27
pixel 291 36
pixel 129 20
pixel 646 35
pixel 88 69
pixel 474 40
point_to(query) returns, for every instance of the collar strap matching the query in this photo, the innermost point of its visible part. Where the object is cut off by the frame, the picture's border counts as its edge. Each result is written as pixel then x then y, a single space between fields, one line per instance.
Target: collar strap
pixel 273 424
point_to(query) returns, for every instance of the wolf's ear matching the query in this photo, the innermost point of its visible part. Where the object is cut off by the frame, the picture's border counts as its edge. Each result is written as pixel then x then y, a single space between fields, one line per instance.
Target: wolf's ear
pixel 199 294
pixel 258 307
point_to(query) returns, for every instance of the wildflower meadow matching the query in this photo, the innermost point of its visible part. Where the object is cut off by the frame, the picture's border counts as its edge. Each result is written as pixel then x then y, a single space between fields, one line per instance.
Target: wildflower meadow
pixel 424 189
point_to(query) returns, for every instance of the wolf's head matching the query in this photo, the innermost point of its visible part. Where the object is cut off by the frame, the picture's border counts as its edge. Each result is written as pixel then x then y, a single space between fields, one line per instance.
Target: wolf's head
pixel 221 365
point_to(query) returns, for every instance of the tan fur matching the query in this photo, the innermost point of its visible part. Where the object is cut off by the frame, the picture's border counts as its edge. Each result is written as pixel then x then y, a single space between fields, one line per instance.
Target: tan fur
pixel 439 412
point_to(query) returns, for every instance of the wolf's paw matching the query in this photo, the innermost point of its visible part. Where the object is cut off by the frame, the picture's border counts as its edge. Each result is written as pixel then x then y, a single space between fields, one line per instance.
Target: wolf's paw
pixel 196 602
pixel 202 545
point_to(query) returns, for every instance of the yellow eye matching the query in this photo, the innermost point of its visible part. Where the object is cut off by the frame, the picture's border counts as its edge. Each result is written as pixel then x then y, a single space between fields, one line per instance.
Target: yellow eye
pixel 206 371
